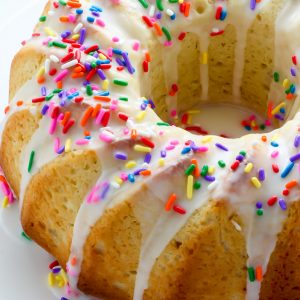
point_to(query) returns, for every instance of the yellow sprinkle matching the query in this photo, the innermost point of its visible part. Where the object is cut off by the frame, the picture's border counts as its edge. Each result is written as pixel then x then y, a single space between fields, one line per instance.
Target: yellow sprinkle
pixel 277 108
pixel 206 139
pixel 118 180
pixel 64 276
pixel 68 145
pixel 194 112
pixel 141 116
pixel 253 123
pixel 189 190
pixel 41 72
pixel 75 37
pixel 256 182
pixel 102 56
pixel 5 202
pixel 248 168
pixel 286 83
pixel 131 164
pixel 189 119
pixel 204 58
pixel 161 162
pixel 211 170
pixel 275 137
pixel 59 281
pixel 105 84
pixel 50 279
pixel 140 148
pixel 50 32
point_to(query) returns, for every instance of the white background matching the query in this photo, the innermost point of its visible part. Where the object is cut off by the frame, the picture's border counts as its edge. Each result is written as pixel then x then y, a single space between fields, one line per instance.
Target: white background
pixel 23 266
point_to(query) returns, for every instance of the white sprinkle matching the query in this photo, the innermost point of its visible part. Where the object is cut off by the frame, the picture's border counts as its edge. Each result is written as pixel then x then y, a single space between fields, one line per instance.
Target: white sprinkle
pixel 69 64
pixel 212 186
pixel 47 66
pixel 151 11
pixel 54 58
pixel 90 58
pixel 170 12
pixel 51 13
pixel 115 185
pixel 236 225
pixel 78 27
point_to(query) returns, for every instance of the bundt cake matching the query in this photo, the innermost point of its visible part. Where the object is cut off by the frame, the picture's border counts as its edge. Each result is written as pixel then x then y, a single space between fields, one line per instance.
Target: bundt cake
pixel 130 204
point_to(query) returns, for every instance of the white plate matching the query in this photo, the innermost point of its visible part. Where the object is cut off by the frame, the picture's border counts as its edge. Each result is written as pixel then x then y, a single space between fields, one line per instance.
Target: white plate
pixel 24 266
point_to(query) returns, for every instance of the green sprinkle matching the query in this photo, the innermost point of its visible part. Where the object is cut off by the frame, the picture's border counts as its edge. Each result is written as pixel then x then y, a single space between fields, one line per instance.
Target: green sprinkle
pixel 190 169
pixel 123 99
pixel 49 97
pixel 93 65
pixel 221 164
pixel 243 153
pixel 56 91
pixel 167 33
pixel 59 45
pixel 162 124
pixel 260 212
pixel 204 170
pixel 197 185
pixel 144 3
pixel 62 2
pixel 25 236
pixel 120 82
pixel 42 18
pixel 31 161
pixel 251 274
pixel 173 1
pixel 89 90
pixel 262 126
pixel 159 5
pixel 276 76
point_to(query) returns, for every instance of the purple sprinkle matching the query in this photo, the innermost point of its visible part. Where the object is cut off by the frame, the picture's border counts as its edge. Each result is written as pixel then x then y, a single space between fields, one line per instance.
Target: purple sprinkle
pixel 101 74
pixel 163 153
pixel 222 147
pixel 151 103
pixel 82 36
pixel 128 63
pixel 137 172
pixel 45 109
pixel 209 178
pixel 63 298
pixel 293 71
pixel 43 91
pixel 121 156
pixel 56 270
pixel 240 158
pixel 65 34
pixel 120 62
pixel 158 15
pixel 60 150
pixel 261 175
pixel 279 117
pixel 87 66
pixel 96 14
pixel 297 141
pixel 282 204
pixel 259 205
pixel 105 190
pixel 295 157
pixel 147 158
pixel 143 106
pixel 253 4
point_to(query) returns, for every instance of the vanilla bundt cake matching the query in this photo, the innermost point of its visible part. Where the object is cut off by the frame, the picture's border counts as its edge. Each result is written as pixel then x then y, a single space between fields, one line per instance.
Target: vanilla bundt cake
pixel 131 205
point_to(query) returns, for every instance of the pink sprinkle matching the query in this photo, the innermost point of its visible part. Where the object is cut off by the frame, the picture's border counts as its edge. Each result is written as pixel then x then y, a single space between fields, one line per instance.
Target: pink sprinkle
pixel 106 137
pixel 56 144
pixel 170 147
pixel 268 123
pixel 100 23
pixel 252 118
pixel 175 142
pixel 136 46
pixel 81 142
pixel 11 198
pixel 46 41
pixel 116 2
pixel 174 113
pixel 52 126
pixel 115 39
pixel 161 133
pixel 72 18
pixel 202 149
pixel 61 75
pixel 274 154
pixel 110 52
pixel 100 116
pixel 126 131
pixel 5 188
pixel 168 43
pixel 60 117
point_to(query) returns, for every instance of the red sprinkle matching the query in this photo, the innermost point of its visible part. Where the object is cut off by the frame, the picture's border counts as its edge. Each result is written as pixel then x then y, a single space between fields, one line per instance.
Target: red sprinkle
pixel 272 201
pixel 235 165
pixel 147 142
pixel 180 210
pixel 275 168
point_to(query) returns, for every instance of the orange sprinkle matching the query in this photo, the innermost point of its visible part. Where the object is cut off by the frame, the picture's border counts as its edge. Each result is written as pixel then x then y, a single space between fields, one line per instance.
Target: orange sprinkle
pixel 66 118
pixel 74 4
pixel 291 184
pixel 145 172
pixel 59 85
pixel 133 134
pixel 64 19
pixel 86 116
pixel 41 80
pixel 20 103
pixel 2 178
pixel 6 110
pixel 86 133
pixel 96 110
pixel 77 75
pixel 78 69
pixel 289 96
pixel 270 108
pixel 197 170
pixel 102 98
pixel 187 9
pixel 158 29
pixel 259 273
pixel 147 57
pixel 264 138
pixel 73 261
pixel 170 202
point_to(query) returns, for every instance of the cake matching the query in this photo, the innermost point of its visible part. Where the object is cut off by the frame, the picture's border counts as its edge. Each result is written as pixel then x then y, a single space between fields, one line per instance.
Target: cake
pixel 131 205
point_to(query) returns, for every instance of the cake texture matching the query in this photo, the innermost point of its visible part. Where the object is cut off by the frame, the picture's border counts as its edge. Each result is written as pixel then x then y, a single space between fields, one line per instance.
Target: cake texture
pixel 131 205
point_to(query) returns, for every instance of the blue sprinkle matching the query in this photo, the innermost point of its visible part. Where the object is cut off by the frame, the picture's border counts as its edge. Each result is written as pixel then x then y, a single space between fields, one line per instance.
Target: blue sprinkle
pixel 131 178
pixel 173 17
pixel 61 150
pixel 223 15
pixel 117 51
pixel 287 170
pixel 79 11
pixel 274 144
pixel 186 150
pixel 90 19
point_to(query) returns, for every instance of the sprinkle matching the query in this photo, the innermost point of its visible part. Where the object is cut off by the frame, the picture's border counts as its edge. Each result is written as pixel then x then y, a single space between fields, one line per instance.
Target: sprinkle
pixel 272 201
pixel 222 164
pixel 170 202
pixel 197 185
pixel 120 156
pixel 204 171
pixel 259 273
pixel 5 202
pixel 120 82
pixel 190 183
pixel 31 159
pixel 144 3
pixel 140 148
pixel 287 170
pixel 259 205
pixel 291 184
pixel 282 204
pixel 190 169
pixel 180 210
pixel 248 168
pixel 251 272
pixel 222 147
pixel 295 157
pixel 261 175
pixel 275 168
pixel 25 236
pixel 235 165
pixel 297 141
pixel 256 182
